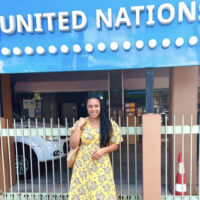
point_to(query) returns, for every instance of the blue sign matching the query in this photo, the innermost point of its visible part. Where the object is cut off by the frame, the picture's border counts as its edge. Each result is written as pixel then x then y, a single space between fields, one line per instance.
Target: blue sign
pixel 55 36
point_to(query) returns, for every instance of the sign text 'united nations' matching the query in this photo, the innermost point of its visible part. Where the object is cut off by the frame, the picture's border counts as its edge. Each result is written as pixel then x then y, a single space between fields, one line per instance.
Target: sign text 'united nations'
pixel 77 20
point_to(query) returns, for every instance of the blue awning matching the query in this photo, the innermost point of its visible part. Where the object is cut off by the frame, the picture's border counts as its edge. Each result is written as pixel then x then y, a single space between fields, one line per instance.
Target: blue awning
pixel 49 36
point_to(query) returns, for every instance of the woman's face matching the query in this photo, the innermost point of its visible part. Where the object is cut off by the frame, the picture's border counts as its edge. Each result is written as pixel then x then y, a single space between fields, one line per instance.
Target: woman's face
pixel 93 108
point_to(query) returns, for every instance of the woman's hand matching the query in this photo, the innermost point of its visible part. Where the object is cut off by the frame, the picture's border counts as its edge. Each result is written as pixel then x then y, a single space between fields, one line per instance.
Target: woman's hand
pixel 97 154
pixel 81 122
pixel 74 139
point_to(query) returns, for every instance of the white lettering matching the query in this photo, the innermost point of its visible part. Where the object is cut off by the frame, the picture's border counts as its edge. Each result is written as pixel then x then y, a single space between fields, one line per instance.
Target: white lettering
pixel 21 23
pixel 137 10
pixel 78 14
pixel 150 9
pixel 190 14
pixel 50 17
pixel 100 16
pixel 63 20
pixel 38 28
pixel 122 18
pixel 12 24
pixel 171 10
pixel 77 20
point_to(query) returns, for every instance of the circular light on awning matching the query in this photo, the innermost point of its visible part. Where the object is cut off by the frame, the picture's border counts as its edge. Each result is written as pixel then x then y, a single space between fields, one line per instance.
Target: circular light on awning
pixel 76 48
pixel 114 46
pixel 17 51
pixel 165 43
pixel 179 42
pixel 29 50
pixel 5 51
pixel 139 44
pixel 64 49
pixel 126 45
pixel 193 40
pixel 89 48
pixel 40 50
pixel 101 47
pixel 52 49
pixel 152 43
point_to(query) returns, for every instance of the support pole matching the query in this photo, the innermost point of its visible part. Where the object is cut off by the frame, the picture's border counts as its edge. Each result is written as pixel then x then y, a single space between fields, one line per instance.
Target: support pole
pixel 6 112
pixel 151 149
pixel 149 90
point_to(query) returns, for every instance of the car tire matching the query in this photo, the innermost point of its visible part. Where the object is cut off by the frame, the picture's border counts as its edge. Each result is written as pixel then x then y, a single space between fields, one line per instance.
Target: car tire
pixel 27 162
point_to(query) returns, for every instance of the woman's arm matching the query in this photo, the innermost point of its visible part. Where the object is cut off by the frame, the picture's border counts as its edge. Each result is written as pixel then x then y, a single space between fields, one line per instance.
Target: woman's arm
pixel 74 139
pixel 110 148
pixel 97 154
pixel 114 143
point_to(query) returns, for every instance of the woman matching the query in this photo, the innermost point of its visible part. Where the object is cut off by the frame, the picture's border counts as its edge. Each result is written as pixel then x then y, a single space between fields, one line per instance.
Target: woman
pixel 97 136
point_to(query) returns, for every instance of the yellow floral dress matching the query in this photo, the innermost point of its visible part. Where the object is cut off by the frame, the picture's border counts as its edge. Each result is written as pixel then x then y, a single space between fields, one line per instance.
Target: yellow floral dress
pixel 93 179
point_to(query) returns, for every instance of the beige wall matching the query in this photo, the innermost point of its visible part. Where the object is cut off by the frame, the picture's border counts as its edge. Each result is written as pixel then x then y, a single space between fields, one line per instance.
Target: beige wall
pixel 62 86
pixel 184 101
pixel 133 80
pixel 82 81
pixel 139 83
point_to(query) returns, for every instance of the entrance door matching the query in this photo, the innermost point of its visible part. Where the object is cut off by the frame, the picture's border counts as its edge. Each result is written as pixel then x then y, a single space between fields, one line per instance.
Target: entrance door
pixel 69 111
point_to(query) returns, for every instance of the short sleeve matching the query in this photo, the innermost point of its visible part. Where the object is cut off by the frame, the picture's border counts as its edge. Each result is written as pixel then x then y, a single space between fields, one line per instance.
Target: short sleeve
pixel 116 136
pixel 73 127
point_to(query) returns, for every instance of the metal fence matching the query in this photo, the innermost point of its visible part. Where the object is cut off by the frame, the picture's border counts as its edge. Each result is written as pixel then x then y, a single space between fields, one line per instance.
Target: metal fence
pixel 41 149
pixel 182 135
pixel 36 166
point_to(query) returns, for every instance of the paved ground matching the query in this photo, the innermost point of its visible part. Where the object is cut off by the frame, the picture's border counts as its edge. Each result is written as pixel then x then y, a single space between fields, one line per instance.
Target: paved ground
pixel 64 183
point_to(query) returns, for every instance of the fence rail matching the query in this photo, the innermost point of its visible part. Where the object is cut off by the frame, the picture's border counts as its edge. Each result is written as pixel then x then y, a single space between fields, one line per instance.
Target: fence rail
pixel 57 131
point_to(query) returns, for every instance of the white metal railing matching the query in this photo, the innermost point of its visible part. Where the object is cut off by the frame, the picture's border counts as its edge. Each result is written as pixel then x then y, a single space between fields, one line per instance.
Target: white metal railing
pixel 50 183
pixel 30 138
pixel 182 131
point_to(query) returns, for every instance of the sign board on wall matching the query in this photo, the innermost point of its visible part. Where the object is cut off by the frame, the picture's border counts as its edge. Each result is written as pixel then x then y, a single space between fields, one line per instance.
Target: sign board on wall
pixel 49 36
pixel 29 104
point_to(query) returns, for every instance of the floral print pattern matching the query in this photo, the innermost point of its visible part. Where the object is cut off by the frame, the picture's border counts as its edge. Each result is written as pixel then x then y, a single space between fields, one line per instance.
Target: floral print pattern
pixel 93 179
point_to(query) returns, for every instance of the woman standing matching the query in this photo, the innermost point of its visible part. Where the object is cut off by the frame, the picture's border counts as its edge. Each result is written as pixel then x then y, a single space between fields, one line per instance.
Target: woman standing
pixel 97 136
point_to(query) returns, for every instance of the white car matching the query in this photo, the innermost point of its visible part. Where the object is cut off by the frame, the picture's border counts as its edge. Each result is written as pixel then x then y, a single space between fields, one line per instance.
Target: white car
pixel 42 149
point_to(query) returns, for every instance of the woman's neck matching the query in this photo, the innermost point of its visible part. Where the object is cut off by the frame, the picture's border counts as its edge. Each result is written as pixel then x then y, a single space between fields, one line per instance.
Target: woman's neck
pixel 91 119
pixel 94 122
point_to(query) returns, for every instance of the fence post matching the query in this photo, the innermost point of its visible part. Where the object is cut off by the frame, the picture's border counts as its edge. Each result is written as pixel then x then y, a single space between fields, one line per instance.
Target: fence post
pixel 151 149
pixel 6 99
pixel 6 162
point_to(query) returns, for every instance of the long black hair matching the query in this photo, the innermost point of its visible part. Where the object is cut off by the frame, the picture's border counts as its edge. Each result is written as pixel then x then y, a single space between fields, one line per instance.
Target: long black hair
pixel 105 123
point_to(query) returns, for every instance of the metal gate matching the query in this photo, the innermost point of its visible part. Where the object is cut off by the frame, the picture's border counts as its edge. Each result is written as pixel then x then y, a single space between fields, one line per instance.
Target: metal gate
pixel 40 151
